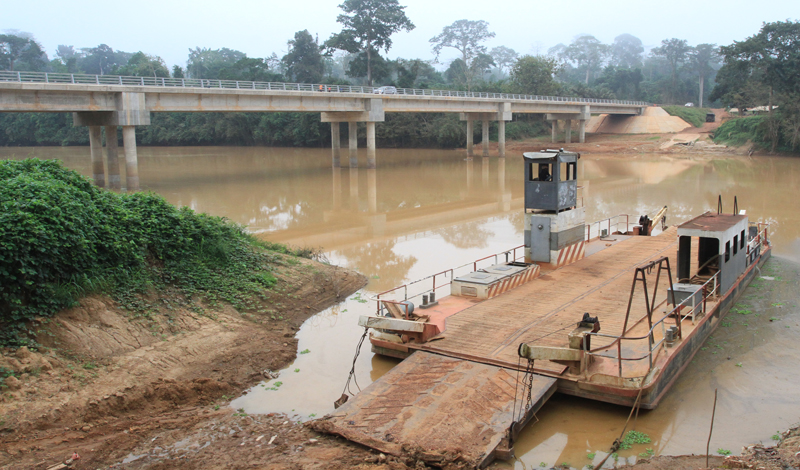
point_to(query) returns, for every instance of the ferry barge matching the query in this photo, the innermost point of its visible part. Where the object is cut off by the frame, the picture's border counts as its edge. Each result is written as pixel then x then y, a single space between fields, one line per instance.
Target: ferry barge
pixel 603 311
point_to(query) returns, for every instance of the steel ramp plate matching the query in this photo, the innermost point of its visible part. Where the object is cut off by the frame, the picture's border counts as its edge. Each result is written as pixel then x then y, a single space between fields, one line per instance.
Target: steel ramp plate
pixel 437 409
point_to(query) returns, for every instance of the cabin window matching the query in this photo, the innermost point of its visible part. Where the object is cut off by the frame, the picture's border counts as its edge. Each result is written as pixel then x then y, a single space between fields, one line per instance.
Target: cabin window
pixel 735 244
pixel 541 172
pixel 741 240
pixel 727 251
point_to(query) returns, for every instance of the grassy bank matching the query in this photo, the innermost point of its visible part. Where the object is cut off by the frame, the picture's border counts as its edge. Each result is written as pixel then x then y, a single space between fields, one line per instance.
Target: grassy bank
pixel 739 131
pixel 62 238
pixel 694 116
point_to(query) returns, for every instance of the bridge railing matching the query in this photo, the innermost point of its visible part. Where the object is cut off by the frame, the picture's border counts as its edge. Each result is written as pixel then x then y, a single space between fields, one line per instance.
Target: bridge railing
pixel 85 79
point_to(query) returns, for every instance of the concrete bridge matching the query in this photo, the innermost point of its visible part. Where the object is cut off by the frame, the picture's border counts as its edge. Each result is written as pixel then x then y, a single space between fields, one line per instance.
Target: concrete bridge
pixel 99 101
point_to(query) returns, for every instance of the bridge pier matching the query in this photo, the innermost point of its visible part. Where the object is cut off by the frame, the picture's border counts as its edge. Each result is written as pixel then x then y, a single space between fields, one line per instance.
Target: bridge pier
pixel 582 130
pixel 352 135
pixel 96 150
pixel 470 138
pixel 112 157
pixel 370 145
pixel 336 145
pixel 501 138
pixel 568 131
pixel 485 137
pixel 131 158
pixel 502 115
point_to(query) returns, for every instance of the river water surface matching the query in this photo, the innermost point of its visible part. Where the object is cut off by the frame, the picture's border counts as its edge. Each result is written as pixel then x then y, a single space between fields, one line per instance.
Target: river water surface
pixel 424 211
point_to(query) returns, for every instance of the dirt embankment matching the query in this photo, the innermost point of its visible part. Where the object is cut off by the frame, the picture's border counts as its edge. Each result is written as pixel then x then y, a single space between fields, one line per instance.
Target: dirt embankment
pixel 692 140
pixel 105 383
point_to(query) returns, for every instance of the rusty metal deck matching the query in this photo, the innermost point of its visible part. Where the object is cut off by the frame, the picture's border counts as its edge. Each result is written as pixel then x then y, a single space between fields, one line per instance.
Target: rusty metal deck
pixel 436 407
pixel 542 312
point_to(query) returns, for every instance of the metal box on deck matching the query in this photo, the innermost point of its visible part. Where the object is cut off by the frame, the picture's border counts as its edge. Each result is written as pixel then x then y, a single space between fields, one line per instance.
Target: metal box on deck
pixel 691 293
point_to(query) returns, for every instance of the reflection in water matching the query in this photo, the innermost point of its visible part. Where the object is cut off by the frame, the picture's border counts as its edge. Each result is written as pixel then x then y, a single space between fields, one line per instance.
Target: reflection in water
pixel 422 213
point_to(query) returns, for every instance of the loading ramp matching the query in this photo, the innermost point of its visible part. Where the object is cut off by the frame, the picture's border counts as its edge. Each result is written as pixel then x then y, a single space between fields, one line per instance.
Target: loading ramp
pixel 439 409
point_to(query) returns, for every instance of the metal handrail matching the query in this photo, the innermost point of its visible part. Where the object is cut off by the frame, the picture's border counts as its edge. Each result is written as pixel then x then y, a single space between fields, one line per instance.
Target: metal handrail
pixel 377 297
pixel 118 80
pixel 649 336
pixel 761 239
pixel 608 222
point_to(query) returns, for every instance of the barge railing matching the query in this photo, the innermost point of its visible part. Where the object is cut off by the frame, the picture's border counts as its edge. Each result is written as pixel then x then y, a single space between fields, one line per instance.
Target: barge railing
pixel 710 289
pixel 654 347
pixel 613 221
pixel 448 275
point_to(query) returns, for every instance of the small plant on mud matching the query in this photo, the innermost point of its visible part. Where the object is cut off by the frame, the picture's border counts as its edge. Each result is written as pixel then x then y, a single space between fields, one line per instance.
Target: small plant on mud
pixel 591 455
pixel 724 452
pixel 776 436
pixel 312 415
pixel 89 365
pixel 297 370
pixel 305 351
pixel 649 452
pixel 738 364
pixel 216 407
pixel 543 464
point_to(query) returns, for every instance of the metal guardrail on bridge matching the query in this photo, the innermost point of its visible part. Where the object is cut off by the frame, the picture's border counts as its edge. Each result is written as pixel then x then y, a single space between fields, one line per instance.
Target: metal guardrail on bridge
pixel 85 79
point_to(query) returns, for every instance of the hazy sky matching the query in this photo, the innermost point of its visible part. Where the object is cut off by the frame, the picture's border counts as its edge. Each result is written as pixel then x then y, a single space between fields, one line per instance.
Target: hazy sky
pixel 169 28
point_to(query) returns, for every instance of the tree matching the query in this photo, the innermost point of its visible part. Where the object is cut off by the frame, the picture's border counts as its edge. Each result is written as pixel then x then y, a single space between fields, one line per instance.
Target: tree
pixel 303 62
pixel 102 59
pixel 368 27
pixel 703 58
pixel 588 53
pixel 626 51
pixel 504 57
pixel 466 37
pixel 360 64
pixel 623 82
pixel 143 65
pixel 21 52
pixel 534 75
pixel 675 51
pixel 208 63
pixel 768 61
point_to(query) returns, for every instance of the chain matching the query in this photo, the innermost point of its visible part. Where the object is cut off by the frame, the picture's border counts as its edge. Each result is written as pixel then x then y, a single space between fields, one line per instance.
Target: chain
pixel 529 377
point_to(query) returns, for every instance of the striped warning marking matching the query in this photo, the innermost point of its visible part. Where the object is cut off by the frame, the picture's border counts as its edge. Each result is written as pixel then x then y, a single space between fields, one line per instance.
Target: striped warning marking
pixel 571 253
pixel 513 281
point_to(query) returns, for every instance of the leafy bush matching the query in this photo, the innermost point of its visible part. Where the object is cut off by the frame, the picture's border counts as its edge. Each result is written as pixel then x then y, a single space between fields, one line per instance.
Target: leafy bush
pixel 739 131
pixel 694 116
pixel 61 238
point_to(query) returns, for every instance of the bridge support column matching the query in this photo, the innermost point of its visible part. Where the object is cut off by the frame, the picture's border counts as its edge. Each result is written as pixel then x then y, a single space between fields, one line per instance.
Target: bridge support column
pixel 131 160
pixel 352 135
pixel 553 131
pixel 470 135
pixel 370 145
pixel 336 145
pixel 568 131
pixel 485 137
pixel 501 138
pixel 112 158
pixel 96 149
pixel 582 131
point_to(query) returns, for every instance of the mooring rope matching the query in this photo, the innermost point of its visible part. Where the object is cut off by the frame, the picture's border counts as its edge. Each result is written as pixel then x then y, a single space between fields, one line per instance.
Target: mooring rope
pixel 352 375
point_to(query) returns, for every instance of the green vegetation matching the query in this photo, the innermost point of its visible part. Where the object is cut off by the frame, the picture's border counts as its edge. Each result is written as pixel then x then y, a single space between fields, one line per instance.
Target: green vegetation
pixel 305 351
pixel 649 452
pixel 740 131
pixel 591 455
pixel 724 452
pixel 776 436
pixel 62 238
pixel 692 115
pixel 634 437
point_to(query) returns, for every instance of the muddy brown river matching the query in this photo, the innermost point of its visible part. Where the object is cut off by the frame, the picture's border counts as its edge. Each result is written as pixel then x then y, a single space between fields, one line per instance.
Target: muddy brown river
pixel 424 211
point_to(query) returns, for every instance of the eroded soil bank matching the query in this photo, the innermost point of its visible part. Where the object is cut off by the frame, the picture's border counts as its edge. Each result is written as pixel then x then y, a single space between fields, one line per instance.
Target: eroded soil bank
pixel 104 382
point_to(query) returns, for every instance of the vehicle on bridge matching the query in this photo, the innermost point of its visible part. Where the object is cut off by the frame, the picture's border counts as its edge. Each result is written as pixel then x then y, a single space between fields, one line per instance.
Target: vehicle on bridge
pixel 385 90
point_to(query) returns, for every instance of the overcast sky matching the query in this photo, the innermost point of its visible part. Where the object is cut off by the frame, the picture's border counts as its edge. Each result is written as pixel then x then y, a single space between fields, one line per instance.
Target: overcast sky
pixel 169 28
